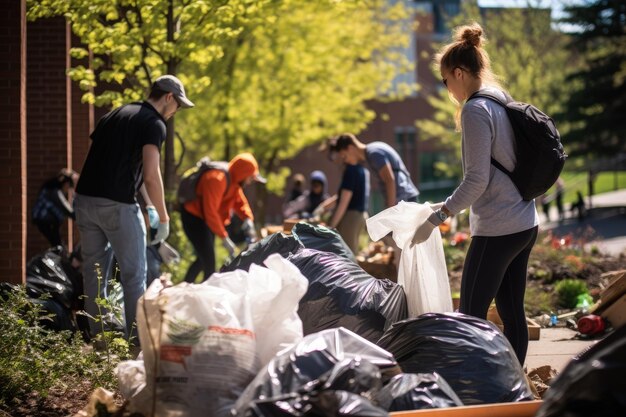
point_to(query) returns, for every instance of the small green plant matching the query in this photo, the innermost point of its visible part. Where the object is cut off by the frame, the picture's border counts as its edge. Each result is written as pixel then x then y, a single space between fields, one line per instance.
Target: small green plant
pixel 568 290
pixel 34 359
pixel 538 301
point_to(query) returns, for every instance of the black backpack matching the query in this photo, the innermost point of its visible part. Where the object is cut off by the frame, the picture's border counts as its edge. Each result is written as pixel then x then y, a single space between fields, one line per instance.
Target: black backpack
pixel 538 149
pixel 189 180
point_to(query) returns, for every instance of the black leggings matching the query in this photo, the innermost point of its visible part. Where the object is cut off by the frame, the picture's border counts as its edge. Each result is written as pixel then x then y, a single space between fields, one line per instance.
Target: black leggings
pixel 496 267
pixel 203 240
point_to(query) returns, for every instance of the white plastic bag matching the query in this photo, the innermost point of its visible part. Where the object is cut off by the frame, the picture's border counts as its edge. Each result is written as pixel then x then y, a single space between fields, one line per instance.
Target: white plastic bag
pixel 202 344
pixel 274 293
pixel 422 271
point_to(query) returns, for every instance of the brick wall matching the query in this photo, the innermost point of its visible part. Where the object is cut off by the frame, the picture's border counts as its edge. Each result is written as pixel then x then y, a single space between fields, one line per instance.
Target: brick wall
pixel 47 121
pixel 82 123
pixel 13 141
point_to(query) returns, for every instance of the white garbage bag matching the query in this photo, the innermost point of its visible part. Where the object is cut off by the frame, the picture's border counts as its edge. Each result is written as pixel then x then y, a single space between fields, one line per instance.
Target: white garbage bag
pixel 422 270
pixel 203 343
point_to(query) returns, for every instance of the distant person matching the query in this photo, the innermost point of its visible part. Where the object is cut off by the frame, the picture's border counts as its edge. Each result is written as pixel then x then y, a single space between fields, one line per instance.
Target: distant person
pixel 304 206
pixel 579 206
pixel 219 193
pixel 384 161
pixel 124 156
pixel 503 226
pixel 351 204
pixel 297 188
pixel 560 189
pixel 52 206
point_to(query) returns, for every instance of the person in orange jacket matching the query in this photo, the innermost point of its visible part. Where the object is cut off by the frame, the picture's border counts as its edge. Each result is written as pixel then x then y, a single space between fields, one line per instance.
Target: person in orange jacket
pixel 218 194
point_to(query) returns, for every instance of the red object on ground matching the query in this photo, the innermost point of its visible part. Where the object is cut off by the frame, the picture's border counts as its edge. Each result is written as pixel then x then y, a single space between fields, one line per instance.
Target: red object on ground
pixel 590 324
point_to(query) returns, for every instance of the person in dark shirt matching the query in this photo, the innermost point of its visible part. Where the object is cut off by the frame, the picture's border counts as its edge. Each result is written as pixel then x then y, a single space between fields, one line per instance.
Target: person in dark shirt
pixel 124 157
pixel 351 204
pixel 52 206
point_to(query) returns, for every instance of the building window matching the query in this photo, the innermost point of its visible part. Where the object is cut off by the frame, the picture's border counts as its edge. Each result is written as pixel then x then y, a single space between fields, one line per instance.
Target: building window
pixel 407 149
pixel 443 10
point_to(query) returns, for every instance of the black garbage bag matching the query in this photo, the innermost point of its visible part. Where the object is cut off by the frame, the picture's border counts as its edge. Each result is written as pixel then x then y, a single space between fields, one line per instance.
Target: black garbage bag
pixel 323 239
pixel 307 366
pixel 593 384
pixel 45 275
pixel 342 294
pixel 325 403
pixel 471 354
pixel 417 392
pixel 257 253
pixel 54 316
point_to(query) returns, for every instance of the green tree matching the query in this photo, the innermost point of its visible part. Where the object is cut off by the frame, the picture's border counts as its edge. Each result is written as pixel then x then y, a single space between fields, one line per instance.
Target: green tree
pixel 267 76
pixel 299 80
pixel 132 42
pixel 597 106
pixel 528 55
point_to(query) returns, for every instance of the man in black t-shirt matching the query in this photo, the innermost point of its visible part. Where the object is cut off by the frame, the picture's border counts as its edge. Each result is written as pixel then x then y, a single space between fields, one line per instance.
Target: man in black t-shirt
pixel 124 158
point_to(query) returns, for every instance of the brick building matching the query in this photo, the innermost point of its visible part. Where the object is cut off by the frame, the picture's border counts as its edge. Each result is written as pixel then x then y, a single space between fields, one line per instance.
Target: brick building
pixel 44 127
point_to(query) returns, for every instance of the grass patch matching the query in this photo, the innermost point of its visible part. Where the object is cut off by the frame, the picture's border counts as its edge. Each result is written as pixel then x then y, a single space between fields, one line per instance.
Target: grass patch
pixel 578 181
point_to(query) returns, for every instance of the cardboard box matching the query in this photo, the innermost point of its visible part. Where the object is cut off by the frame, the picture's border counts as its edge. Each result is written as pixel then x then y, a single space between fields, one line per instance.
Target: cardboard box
pixel 534 329
pixel 616 288
pixel 616 312
pixel 288 224
pixel 519 409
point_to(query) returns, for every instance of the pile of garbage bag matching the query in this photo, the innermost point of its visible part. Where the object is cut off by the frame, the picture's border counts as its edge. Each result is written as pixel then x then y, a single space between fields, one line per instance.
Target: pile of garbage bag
pixel 342 294
pixel 203 343
pixel 336 372
pixel 473 356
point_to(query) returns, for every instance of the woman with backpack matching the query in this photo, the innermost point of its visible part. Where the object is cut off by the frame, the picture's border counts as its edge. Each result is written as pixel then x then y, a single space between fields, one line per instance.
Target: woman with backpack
pixel 503 225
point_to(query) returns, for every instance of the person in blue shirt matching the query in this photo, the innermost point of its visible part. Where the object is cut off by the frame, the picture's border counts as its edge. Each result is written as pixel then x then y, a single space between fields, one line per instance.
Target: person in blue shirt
pixel 383 160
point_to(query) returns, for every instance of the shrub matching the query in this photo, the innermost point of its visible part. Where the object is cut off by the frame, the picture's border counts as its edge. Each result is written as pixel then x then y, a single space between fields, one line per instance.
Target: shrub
pixel 34 359
pixel 568 291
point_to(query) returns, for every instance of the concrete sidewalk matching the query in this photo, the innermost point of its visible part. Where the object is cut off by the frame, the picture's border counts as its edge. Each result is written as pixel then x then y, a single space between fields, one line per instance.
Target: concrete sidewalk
pixel 555 347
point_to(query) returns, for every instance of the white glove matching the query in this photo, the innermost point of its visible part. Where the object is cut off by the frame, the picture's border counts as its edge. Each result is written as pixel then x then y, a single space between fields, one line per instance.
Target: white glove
pixel 163 231
pixel 229 245
pixel 153 217
pixel 423 231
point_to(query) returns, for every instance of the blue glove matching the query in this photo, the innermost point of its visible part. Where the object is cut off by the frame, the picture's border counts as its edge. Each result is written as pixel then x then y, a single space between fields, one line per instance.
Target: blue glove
pixel 153 217
pixel 162 233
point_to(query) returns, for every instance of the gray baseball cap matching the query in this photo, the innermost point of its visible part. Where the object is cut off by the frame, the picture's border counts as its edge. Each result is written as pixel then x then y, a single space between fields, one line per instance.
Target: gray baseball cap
pixel 173 85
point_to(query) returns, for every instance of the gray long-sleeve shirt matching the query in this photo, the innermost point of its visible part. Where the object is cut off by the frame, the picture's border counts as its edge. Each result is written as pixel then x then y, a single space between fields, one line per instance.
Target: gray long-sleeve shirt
pixel 496 207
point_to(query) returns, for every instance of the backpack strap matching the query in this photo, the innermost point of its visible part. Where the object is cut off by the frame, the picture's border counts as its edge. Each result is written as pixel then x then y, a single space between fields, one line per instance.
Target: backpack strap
pixel 493 97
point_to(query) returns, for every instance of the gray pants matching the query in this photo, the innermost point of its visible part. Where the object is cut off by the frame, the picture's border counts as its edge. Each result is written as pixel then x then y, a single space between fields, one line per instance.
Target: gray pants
pixel 350 227
pixel 102 221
